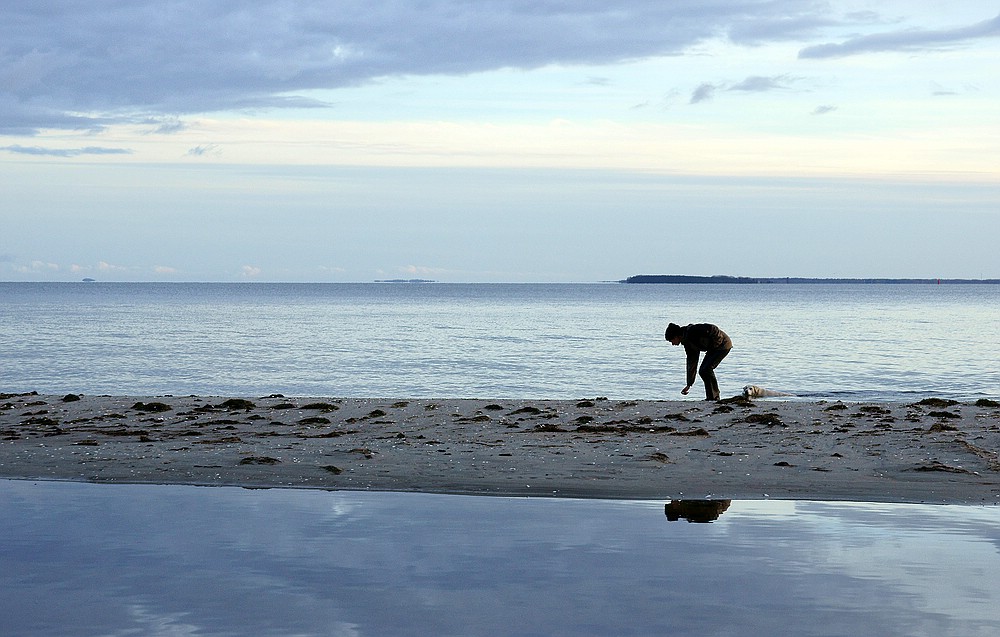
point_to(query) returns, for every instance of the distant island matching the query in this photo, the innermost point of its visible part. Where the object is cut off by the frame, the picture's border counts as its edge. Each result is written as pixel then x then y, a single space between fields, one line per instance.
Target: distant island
pixel 404 281
pixel 685 278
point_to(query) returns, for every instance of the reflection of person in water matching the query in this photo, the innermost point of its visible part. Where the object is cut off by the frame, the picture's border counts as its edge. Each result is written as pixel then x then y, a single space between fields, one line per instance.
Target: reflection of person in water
pixel 695 510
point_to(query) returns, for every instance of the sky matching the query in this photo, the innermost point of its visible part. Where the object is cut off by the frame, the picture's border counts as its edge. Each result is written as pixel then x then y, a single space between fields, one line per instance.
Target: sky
pixel 498 140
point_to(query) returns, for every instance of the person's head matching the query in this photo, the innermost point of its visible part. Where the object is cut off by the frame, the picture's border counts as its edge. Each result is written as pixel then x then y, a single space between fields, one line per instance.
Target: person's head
pixel 673 333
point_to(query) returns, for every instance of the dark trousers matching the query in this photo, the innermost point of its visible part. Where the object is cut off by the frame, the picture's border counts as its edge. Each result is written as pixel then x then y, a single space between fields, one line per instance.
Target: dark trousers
pixel 707 372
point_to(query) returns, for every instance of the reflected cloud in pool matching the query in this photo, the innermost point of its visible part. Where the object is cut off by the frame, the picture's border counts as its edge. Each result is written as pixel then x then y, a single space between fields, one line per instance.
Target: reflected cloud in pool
pixel 117 560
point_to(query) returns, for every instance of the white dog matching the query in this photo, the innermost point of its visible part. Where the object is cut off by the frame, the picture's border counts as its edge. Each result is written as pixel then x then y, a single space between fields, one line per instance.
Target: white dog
pixel 753 391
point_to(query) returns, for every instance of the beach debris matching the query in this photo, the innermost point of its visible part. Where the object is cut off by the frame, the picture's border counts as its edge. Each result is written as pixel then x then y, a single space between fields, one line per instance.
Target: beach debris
pixel 265 460
pixel 328 434
pixel 70 398
pixel 991 457
pixel 332 469
pixel 936 465
pixel 549 427
pixel 678 416
pixel 6 396
pixel 321 407
pixel 769 419
pixel 225 440
pixel 874 409
pixel 622 427
pixel 936 402
pixel 944 414
pixel 235 404
pixel 124 431
pixel 476 418
pixel 940 427
pixel 534 411
pixel 151 407
pixel 658 456
pixel 315 420
pixel 47 426
pixel 699 432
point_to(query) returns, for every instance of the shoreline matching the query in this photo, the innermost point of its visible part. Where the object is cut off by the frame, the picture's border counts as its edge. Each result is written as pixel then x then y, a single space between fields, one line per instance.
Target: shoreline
pixel 929 451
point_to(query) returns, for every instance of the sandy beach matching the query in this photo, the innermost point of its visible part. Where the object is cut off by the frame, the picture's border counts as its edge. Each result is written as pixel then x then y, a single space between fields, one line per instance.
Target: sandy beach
pixel 928 451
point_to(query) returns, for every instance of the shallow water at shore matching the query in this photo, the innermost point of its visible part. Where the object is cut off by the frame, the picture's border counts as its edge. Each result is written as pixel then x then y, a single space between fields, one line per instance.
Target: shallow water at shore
pixel 82 559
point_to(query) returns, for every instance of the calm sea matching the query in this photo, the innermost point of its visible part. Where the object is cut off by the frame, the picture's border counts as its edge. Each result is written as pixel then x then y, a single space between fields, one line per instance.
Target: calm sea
pixel 560 341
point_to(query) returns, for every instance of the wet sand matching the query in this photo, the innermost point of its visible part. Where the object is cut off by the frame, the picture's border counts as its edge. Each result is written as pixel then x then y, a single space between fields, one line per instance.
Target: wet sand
pixel 929 451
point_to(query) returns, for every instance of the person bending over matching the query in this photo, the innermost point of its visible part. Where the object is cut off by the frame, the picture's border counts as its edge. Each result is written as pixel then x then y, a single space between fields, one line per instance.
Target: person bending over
pixel 698 338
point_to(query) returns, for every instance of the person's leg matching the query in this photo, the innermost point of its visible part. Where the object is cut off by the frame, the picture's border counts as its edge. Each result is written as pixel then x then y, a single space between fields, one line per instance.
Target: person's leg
pixel 707 372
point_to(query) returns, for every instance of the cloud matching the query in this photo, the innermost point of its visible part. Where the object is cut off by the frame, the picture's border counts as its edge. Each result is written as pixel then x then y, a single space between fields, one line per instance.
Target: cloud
pixel 421 270
pixel 250 271
pixel 824 109
pixel 905 40
pixel 204 149
pixel 761 84
pixel 90 64
pixel 64 152
pixel 102 266
pixel 703 93
pixel 752 84
pixel 938 90
pixel 167 126
pixel 34 267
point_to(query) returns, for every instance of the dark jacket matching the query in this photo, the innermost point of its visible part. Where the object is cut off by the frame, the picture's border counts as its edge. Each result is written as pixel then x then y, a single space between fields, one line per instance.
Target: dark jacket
pixel 701 337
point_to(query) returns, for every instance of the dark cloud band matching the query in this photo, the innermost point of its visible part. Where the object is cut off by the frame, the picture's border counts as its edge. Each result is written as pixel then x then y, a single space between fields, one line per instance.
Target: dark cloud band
pixel 83 65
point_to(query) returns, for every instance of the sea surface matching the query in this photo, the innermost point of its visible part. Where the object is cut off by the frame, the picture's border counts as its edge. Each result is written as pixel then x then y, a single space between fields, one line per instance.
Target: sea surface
pixel 545 341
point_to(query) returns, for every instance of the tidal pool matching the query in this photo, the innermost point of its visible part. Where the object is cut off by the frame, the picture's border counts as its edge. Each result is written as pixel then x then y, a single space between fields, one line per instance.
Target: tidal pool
pixel 121 560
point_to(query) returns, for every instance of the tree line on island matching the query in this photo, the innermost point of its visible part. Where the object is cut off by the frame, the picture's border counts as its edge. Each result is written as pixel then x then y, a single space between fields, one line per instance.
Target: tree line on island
pixel 686 278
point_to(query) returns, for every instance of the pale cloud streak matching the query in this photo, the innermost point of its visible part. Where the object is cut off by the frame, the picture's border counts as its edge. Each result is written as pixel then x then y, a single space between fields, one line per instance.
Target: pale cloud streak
pixel 753 84
pixel 906 40
pixel 760 84
pixel 39 151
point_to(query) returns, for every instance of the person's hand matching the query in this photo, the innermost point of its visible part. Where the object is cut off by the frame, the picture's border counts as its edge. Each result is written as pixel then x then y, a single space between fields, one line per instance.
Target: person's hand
pixel 686 390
